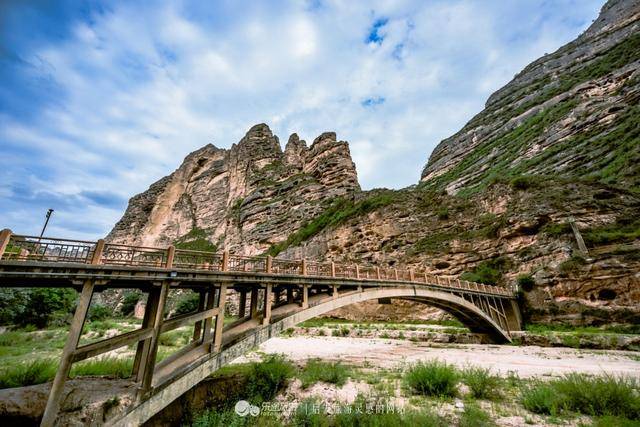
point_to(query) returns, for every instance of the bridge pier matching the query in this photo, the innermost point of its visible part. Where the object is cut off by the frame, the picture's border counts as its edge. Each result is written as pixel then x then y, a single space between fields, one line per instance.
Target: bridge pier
pixel 75 330
pixel 266 318
pixel 242 305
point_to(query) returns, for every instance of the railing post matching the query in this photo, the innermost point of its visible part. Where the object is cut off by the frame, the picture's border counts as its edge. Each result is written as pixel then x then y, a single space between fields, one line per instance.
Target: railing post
pixel 5 236
pixel 225 261
pixel 334 293
pixel 378 273
pixel 333 269
pixel 269 263
pixel 411 277
pixel 171 253
pixel 357 271
pixel 97 252
pixel 395 273
pixel 303 266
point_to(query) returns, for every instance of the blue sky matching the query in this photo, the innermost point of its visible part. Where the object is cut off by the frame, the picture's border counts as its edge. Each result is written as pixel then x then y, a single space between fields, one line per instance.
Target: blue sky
pixel 100 99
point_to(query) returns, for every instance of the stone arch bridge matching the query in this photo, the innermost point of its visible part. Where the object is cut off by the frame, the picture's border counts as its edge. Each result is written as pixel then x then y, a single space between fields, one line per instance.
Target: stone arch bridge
pixel 274 295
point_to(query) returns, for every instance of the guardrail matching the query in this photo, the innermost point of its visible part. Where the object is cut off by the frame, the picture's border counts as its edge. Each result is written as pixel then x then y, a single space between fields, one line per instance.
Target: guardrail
pixel 30 248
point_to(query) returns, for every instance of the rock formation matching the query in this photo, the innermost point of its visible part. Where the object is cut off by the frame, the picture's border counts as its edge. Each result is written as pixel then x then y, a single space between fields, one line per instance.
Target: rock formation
pixel 245 198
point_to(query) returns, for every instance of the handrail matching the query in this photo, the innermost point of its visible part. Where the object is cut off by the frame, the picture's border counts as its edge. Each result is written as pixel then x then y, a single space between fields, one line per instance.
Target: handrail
pixel 29 248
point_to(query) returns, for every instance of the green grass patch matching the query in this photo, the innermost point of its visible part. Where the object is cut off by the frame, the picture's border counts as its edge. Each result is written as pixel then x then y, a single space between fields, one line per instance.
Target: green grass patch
pixel 317 370
pixel 433 378
pixel 195 240
pixel 488 272
pixel 572 265
pixel 578 393
pixel 337 213
pixel 622 231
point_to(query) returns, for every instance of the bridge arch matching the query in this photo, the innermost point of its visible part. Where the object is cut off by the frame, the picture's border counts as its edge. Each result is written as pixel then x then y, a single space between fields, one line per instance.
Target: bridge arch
pixel 469 314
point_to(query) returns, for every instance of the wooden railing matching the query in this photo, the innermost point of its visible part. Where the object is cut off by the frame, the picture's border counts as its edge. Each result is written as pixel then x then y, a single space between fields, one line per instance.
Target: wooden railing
pixel 29 248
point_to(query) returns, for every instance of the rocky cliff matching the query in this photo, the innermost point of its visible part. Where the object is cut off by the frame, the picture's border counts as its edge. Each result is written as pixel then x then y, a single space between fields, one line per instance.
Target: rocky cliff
pixel 572 113
pixel 244 199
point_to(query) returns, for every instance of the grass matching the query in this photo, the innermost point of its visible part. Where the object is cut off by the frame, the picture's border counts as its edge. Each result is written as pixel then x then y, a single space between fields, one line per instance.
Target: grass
pixel 337 213
pixel 488 272
pixel 267 377
pixel 622 231
pixel 317 370
pixel 578 393
pixel 433 378
pixel 607 329
pixel 43 370
pixel 474 416
pixel 482 383
pixel 572 265
pixel 196 240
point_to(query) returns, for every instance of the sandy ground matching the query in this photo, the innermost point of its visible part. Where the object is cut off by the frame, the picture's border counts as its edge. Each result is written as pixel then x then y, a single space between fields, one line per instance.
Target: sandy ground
pixel 525 362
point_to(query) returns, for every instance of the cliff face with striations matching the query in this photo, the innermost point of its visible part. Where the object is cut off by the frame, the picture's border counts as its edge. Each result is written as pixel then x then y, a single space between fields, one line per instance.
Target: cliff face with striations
pixel 572 113
pixel 245 198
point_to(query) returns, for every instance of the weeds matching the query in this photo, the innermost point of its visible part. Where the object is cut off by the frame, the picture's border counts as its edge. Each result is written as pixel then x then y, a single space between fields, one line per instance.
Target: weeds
pixel 481 382
pixel 328 372
pixel 433 378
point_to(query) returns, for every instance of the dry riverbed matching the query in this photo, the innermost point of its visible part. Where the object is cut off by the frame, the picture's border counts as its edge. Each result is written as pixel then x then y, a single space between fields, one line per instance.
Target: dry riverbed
pixel 525 362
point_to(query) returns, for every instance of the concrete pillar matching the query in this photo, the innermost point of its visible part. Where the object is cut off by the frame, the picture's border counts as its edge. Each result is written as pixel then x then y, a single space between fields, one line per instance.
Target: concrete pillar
pixel 171 253
pixel 242 305
pixel 253 309
pixel 75 330
pixel 148 363
pixel 266 318
pixel 305 296
pixel 217 335
pixel 5 237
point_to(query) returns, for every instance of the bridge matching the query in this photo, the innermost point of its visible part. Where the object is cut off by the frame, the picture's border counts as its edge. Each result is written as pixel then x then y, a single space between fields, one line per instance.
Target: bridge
pixel 274 294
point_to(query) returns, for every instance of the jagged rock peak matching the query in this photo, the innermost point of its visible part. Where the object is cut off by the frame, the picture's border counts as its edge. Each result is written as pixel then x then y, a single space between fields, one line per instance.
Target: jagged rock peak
pixel 295 151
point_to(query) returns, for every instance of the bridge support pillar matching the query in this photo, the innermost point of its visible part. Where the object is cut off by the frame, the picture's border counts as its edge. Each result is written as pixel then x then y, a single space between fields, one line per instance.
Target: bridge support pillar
pixel 304 301
pixel 253 309
pixel 197 329
pixel 242 305
pixel 158 297
pixel 334 292
pixel 289 295
pixel 55 395
pixel 222 300
pixel 266 318
pixel 211 297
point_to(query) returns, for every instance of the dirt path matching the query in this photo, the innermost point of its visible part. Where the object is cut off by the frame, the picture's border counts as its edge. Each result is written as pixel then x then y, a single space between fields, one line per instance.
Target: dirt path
pixel 523 361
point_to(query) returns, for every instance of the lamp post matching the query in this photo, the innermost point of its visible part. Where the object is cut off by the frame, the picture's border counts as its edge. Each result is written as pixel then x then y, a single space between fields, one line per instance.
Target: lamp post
pixel 46 221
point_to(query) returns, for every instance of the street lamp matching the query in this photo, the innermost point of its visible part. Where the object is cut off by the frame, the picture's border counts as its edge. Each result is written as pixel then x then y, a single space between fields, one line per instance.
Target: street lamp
pixel 46 221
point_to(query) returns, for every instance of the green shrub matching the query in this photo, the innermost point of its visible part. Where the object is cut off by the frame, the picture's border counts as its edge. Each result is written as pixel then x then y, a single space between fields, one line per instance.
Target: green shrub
pixel 129 303
pixel 557 229
pixel 433 378
pixel 45 304
pixel 481 382
pixel 473 416
pixel 595 396
pixel 99 312
pixel 488 272
pixel 611 421
pixel 267 377
pixel 572 265
pixel 195 240
pixel 328 372
pixel 188 303
pixel 524 182
pixel 526 282
pixel 443 213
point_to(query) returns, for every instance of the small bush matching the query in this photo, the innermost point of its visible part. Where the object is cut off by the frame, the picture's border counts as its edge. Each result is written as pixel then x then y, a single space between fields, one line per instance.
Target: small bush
pixel 99 312
pixel 524 182
pixel 481 383
pixel 433 378
pixel 328 372
pixel 188 303
pixel 443 213
pixel 267 377
pixel 129 303
pixel 488 272
pixel 526 282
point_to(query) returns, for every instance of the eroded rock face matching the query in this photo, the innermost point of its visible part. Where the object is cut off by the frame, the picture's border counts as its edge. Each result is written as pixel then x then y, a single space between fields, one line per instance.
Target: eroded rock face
pixel 245 198
pixel 569 113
